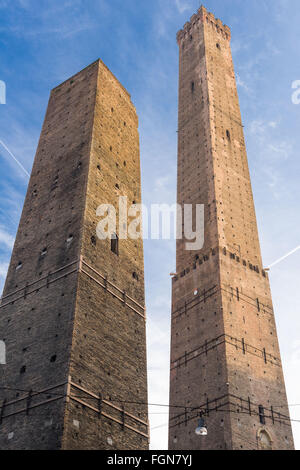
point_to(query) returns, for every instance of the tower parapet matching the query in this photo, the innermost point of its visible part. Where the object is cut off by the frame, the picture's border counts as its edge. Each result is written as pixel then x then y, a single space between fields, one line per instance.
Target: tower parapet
pixel 203 16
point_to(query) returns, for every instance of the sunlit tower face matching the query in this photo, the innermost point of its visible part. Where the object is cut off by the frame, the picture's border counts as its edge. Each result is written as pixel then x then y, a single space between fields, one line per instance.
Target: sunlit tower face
pixel 72 314
pixel 224 350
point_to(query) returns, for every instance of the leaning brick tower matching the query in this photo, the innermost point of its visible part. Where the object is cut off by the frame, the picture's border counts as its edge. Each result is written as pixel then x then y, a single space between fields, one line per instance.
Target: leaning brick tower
pixel 72 313
pixel 225 358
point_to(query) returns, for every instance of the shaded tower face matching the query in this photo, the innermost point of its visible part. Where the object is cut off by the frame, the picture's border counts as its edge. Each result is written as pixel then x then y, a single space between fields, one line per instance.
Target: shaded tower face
pixel 72 314
pixel 225 357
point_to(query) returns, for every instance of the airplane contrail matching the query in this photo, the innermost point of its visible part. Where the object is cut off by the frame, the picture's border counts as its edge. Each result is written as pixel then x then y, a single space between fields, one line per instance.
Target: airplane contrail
pixel 15 159
pixel 285 256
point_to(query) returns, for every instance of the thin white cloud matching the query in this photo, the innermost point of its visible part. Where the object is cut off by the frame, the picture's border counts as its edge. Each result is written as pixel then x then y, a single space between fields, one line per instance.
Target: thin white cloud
pixel 24 4
pixel 271 148
pixel 257 127
pixel 6 239
pixel 282 149
pixel 64 19
pixel 182 5
pixel 291 372
pixel 240 83
pixel 3 269
pixel 158 346
pixel 64 31
pixel 273 124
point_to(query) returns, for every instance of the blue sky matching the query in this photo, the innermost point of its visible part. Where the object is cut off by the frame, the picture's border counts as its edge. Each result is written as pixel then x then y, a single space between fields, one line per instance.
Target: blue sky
pixel 42 43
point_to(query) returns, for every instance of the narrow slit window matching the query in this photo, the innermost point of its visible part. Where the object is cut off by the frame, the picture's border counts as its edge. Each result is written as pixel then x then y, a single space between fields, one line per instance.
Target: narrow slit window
pixel 19 266
pixel 261 412
pixel 228 135
pixel 193 87
pixel 114 244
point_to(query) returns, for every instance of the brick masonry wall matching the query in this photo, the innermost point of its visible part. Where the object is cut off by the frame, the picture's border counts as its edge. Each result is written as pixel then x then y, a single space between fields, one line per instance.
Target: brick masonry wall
pixel 224 351
pixel 116 366
pixel 63 323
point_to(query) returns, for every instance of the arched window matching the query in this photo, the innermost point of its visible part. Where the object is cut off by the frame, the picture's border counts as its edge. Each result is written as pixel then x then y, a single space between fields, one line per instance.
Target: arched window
pixel 264 440
pixel 114 244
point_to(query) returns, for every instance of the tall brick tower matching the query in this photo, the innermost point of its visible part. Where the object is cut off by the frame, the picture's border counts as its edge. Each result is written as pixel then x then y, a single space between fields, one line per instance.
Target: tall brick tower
pixel 225 356
pixel 72 313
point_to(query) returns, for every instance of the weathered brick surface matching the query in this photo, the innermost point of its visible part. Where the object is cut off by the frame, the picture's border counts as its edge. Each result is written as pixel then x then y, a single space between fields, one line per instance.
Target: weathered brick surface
pixel 67 324
pixel 224 351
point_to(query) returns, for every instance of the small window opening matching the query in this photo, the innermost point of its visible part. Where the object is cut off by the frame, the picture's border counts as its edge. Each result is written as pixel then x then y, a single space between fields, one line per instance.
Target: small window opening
pixel 135 276
pixel 117 186
pixel 218 46
pixel 98 167
pixel 228 135
pixel 44 252
pixel 261 412
pixel 19 266
pixel 23 370
pixel 53 358
pixel 193 86
pixel 70 238
pixel 93 240
pixel 114 244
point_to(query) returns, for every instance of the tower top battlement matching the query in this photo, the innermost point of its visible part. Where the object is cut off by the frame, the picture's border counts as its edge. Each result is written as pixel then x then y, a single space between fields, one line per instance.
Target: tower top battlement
pixel 203 16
